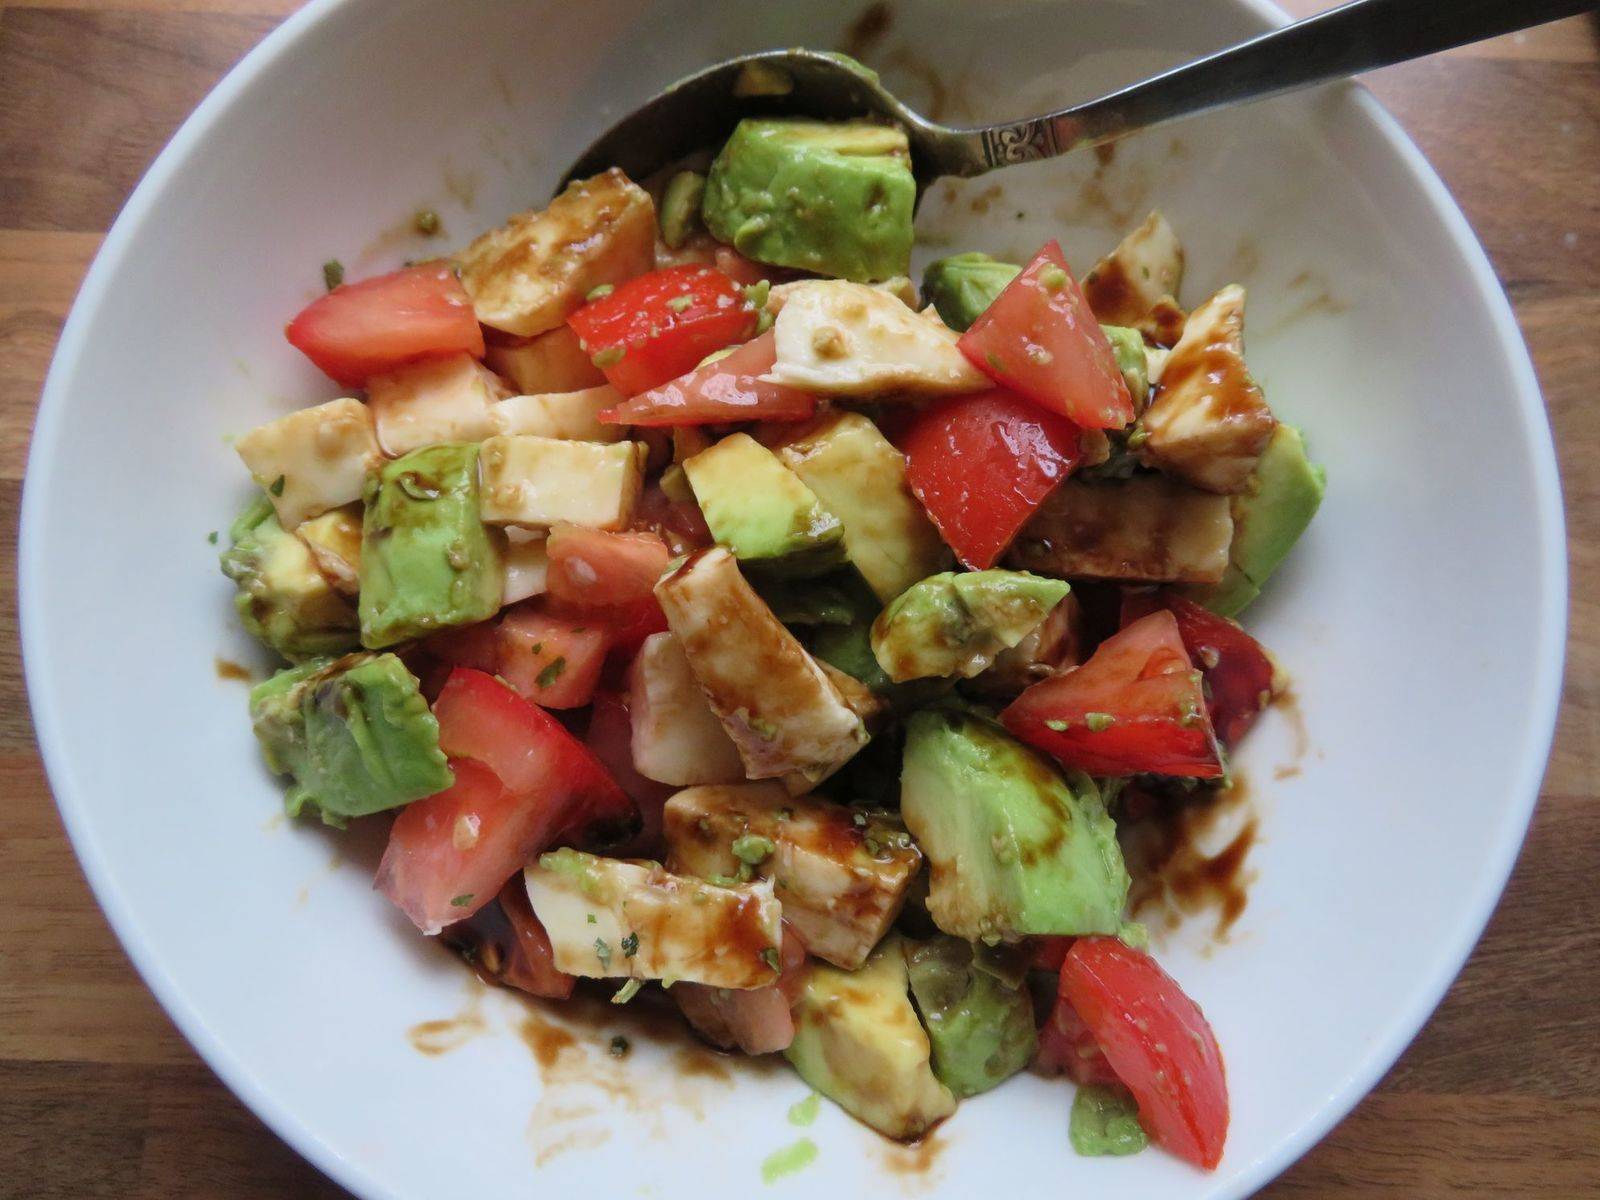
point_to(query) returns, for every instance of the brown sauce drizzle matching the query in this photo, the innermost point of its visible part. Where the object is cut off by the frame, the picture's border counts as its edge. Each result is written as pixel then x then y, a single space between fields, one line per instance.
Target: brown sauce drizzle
pixel 914 1159
pixel 1163 838
pixel 863 35
pixel 228 669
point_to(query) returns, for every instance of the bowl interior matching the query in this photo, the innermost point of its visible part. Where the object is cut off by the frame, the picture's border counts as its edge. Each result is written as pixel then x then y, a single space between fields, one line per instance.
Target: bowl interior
pixel 1420 618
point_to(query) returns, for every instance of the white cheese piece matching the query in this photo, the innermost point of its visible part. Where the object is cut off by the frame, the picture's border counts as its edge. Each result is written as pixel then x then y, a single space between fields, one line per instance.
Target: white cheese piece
pixel 537 481
pixel 524 563
pixel 608 918
pixel 677 739
pixel 1136 283
pixel 571 416
pixel 842 883
pixel 312 460
pixel 334 539
pixel 534 271
pixel 437 400
pixel 550 362
pixel 836 338
pixel 1209 422
pixel 780 708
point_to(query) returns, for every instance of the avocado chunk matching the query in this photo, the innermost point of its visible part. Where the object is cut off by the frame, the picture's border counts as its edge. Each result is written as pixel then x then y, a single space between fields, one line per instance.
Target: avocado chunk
pixel 760 509
pixel 427 562
pixel 1013 847
pixel 981 1027
pixel 680 207
pixel 1268 518
pixel 956 623
pixel 283 598
pixel 1128 345
pixel 962 286
pixel 835 198
pixel 861 478
pixel 857 1040
pixel 1105 1121
pixel 354 732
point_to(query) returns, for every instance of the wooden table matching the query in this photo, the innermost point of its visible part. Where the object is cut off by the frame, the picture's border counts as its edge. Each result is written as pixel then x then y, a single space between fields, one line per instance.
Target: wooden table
pixel 99 1096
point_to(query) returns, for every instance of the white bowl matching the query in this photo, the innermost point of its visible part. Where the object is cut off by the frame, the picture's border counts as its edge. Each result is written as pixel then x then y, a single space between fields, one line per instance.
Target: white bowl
pixel 1422 617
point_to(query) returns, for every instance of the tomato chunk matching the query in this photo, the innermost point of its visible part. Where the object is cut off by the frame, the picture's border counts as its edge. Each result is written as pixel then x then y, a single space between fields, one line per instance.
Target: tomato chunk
pixel 1237 670
pixel 552 660
pixel 1135 706
pixel 658 326
pixel 1157 1041
pixel 361 329
pixel 592 567
pixel 730 389
pixel 982 464
pixel 520 779
pixel 1066 1047
pixel 610 740
pixel 507 945
pixel 1040 339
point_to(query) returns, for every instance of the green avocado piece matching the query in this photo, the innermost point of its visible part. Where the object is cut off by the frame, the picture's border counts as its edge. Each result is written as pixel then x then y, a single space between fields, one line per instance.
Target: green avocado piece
pixel 955 623
pixel 427 562
pixel 1014 848
pixel 1268 518
pixel 861 478
pixel 282 597
pixel 760 510
pixel 982 1030
pixel 835 198
pixel 962 286
pixel 680 207
pixel 354 732
pixel 837 599
pixel 1128 345
pixel 857 1040
pixel 1105 1120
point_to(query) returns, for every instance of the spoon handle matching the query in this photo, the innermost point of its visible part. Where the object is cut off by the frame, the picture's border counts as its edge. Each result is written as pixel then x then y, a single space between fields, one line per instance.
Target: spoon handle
pixel 1358 36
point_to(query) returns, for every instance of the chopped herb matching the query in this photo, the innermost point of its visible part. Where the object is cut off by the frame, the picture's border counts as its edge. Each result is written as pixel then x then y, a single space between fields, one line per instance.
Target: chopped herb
pixel 600 292
pixel 860 819
pixel 1058 726
pixel 538 648
pixel 1099 722
pixel 627 992
pixel 1137 438
pixel 277 486
pixel 1053 278
pixel 551 673
pixel 332 273
pixel 718 881
pixel 602 952
pixel 758 292
pixel 620 1047
pixel 762 728
pixel 630 945
pixel 592 919
pixel 212 537
pixel 678 303
pixel 427 222
pixel 462 900
pixel 609 357
pixel 994 362
pixel 753 849
pixel 770 957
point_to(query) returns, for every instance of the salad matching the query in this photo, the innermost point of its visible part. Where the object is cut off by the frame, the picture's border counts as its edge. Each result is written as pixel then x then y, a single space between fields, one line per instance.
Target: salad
pixel 706 610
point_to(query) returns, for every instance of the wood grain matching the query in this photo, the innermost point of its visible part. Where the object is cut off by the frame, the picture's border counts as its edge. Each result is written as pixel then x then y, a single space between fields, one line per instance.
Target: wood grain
pixel 1499 1096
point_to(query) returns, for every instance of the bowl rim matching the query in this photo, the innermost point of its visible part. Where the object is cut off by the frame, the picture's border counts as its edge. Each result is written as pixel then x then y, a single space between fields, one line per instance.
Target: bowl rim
pixel 1531 755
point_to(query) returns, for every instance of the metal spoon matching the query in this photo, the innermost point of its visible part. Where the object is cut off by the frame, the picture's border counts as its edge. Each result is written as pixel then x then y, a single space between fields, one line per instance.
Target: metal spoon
pixel 699 112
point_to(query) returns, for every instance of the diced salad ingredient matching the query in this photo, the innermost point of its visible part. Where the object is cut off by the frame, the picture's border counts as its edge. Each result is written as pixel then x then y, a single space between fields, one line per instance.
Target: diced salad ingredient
pixel 704 609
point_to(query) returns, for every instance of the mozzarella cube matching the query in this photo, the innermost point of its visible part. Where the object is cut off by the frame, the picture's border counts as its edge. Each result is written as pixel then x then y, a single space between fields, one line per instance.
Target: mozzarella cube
pixel 1135 284
pixel 836 338
pixel 312 460
pixel 436 400
pixel 677 739
pixel 525 563
pixel 611 919
pixel 334 540
pixel 843 883
pixel 538 481
pixel 550 362
pixel 529 275
pixel 570 416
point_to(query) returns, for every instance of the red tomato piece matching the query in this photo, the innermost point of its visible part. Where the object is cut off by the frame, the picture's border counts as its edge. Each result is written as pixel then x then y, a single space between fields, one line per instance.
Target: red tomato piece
pixel 610 740
pixel 1237 670
pixel 1039 339
pixel 680 523
pixel 1135 706
pixel 1049 952
pixel 982 464
pixel 554 661
pixel 659 326
pixel 361 329
pixel 1157 1041
pixel 1066 1047
pixel 507 945
pixel 521 779
pixel 590 567
pixel 476 646
pixel 730 389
